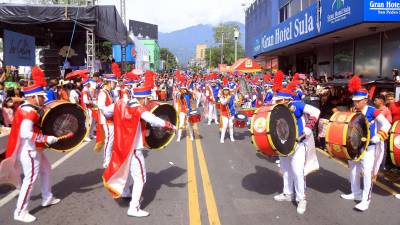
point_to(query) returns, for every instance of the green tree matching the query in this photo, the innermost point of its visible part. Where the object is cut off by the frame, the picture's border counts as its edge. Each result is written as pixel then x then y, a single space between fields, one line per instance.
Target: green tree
pixel 103 49
pixel 228 48
pixel 169 59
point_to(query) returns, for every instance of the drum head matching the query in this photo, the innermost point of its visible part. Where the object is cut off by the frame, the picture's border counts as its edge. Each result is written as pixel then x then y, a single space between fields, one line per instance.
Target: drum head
pixel 282 129
pixel 357 130
pixel 157 138
pixel 61 120
pixel 240 116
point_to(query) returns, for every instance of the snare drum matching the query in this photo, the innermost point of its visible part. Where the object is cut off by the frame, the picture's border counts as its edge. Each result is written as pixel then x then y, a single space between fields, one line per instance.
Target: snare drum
pixel 347 135
pixel 194 116
pixel 248 112
pixel 240 120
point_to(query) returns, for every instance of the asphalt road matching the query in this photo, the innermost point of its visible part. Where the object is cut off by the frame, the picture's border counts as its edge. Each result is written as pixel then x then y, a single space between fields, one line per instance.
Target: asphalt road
pixel 202 182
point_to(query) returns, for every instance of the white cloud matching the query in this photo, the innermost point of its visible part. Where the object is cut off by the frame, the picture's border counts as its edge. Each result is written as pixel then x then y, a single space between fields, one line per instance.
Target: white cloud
pixel 171 15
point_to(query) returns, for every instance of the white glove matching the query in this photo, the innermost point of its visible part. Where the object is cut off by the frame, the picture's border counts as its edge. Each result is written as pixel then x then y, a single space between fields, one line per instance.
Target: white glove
pixel 51 140
pixel 307 131
pixel 375 139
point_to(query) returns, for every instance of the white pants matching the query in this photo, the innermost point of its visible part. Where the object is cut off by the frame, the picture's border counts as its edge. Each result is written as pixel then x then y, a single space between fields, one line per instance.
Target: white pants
pixel 182 119
pixel 225 124
pixel 89 121
pixel 33 164
pixel 212 113
pixel 108 143
pixel 365 165
pixel 293 172
pixel 138 176
pixel 198 99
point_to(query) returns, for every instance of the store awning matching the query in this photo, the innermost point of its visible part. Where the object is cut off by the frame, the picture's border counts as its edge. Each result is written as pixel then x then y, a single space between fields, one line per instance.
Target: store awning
pixel 246 65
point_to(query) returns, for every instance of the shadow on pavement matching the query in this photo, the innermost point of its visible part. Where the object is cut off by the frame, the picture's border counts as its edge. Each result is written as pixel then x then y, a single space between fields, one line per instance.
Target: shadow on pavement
pixel 325 181
pixel 241 135
pixel 154 183
pixel 264 181
pixel 80 183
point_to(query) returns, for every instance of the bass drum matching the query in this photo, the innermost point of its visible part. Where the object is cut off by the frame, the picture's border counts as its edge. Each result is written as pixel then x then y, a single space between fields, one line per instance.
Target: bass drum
pixel 347 135
pixel 59 118
pixel 158 138
pixel 395 144
pixel 274 130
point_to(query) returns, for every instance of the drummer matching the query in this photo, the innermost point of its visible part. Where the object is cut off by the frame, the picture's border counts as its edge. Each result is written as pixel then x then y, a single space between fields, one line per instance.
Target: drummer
pixel 211 94
pixel 184 100
pixel 118 175
pixel 268 93
pixel 104 101
pixel 228 113
pixel 22 144
pixel 293 166
pixel 86 103
pixel 366 164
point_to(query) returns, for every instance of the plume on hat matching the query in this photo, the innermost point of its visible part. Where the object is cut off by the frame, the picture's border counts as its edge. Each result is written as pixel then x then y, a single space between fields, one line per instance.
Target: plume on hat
pixel 115 70
pixel 149 78
pixel 225 81
pixel 354 84
pixel 38 76
pixel 267 77
pixel 278 78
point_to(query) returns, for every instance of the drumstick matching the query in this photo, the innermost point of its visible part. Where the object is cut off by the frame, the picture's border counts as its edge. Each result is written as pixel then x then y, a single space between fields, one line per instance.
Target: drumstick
pixel 364 139
pixel 66 136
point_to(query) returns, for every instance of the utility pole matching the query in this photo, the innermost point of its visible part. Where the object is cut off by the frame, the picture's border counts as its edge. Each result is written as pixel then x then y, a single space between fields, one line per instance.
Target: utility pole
pixel 236 34
pixel 222 48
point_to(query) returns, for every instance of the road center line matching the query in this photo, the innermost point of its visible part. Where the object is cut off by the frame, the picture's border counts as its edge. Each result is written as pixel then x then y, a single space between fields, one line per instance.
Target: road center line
pixel 211 204
pixel 193 195
pixel 14 193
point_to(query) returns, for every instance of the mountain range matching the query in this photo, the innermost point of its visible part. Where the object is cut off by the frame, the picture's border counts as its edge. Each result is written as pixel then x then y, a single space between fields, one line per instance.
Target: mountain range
pixel 182 43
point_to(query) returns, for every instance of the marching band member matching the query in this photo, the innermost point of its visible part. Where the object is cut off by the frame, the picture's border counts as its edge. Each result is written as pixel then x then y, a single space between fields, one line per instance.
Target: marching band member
pixel 25 143
pixel 127 160
pixel 184 100
pixel 293 166
pixel 268 93
pixel 126 92
pixel 212 91
pixel 366 164
pixel 104 101
pixel 86 103
pixel 227 112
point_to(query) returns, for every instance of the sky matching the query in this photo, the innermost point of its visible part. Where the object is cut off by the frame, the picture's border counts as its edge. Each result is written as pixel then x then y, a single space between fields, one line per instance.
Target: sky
pixel 171 15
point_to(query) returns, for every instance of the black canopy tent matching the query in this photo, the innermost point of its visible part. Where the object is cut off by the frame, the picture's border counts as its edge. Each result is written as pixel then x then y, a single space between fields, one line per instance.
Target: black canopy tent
pixel 42 20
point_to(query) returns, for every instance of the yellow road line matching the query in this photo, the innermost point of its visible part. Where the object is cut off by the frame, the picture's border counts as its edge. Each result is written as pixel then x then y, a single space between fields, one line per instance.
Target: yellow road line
pixel 212 209
pixel 377 183
pixel 193 196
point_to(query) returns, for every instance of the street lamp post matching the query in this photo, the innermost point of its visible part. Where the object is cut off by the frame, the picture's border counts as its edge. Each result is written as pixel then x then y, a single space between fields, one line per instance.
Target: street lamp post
pixel 236 34
pixel 222 48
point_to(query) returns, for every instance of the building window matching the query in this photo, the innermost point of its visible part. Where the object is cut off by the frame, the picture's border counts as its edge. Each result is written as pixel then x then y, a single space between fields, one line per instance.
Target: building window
pixel 295 7
pixel 367 56
pixel 390 52
pixel 284 13
pixel 307 3
pixel 343 58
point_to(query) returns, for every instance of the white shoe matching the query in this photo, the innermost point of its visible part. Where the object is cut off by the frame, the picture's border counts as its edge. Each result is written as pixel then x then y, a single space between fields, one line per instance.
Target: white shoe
pixel 283 197
pixel 351 197
pixel 222 141
pixel 277 161
pixel 138 213
pixel 25 217
pixel 363 205
pixel 178 140
pixel 397 196
pixel 232 139
pixel 301 207
pixel 87 139
pixel 52 201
